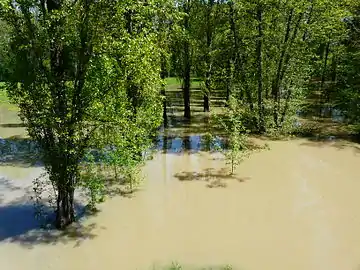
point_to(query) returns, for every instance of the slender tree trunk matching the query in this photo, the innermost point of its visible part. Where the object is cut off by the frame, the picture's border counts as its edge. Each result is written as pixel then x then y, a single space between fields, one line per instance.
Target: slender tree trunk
pixel 229 79
pixel 334 69
pixel 333 77
pixel 234 50
pixel 209 37
pixel 207 90
pixel 116 173
pixel 186 84
pixel 163 91
pixel 323 75
pixel 165 119
pixel 259 48
pixel 187 63
pixel 276 83
pixel 283 65
pixel 206 103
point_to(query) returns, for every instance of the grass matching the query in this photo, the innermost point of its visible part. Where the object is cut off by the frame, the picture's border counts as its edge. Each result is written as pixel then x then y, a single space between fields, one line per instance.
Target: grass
pixel 3 95
pixel 171 81
pixel 4 100
pixel 175 82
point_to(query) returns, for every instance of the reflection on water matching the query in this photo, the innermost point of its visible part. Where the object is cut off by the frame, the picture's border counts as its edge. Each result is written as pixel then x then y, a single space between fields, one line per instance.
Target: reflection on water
pixel 188 143
pixel 323 112
pixel 27 150
pixel 18 149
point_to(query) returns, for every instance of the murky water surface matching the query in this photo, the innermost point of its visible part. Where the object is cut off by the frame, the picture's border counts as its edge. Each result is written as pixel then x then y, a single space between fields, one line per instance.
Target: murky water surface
pixel 295 206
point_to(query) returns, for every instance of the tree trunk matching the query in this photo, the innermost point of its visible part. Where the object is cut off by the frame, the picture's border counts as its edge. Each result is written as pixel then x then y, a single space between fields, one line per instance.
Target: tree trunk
pixel 186 92
pixel 276 83
pixel 209 37
pixel 323 75
pixel 261 123
pixel 283 65
pixel 331 89
pixel 163 90
pixel 207 90
pixel 165 119
pixel 65 213
pixel 229 78
pixel 187 63
pixel 206 103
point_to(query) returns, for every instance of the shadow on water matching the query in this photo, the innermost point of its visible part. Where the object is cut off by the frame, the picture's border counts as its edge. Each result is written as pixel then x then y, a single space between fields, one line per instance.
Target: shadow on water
pixel 200 123
pixel 19 222
pixel 213 178
pixel 19 225
pixel 322 111
pixel 13 125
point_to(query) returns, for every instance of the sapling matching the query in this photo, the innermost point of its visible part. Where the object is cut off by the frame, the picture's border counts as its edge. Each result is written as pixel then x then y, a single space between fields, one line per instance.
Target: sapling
pixel 237 135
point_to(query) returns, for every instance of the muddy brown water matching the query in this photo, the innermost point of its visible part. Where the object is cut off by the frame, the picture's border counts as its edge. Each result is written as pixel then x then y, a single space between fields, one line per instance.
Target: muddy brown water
pixel 295 206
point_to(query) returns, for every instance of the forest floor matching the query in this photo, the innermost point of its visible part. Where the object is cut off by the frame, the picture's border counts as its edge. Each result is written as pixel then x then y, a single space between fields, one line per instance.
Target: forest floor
pixel 295 206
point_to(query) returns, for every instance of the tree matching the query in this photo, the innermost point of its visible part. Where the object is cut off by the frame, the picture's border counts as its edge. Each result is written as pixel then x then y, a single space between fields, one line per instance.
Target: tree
pixel 182 51
pixel 347 96
pixel 167 18
pixel 259 60
pixel 70 79
pixel 273 48
pixel 187 59
pixel 4 48
pixel 206 27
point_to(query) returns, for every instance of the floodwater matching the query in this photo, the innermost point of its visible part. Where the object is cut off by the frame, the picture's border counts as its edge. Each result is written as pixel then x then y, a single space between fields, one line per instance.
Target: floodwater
pixel 295 206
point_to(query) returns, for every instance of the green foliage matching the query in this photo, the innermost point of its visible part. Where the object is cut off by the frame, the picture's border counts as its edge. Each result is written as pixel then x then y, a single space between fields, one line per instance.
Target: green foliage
pixel 263 53
pixel 93 182
pixel 85 75
pixel 347 96
pixel 5 58
pixel 238 141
